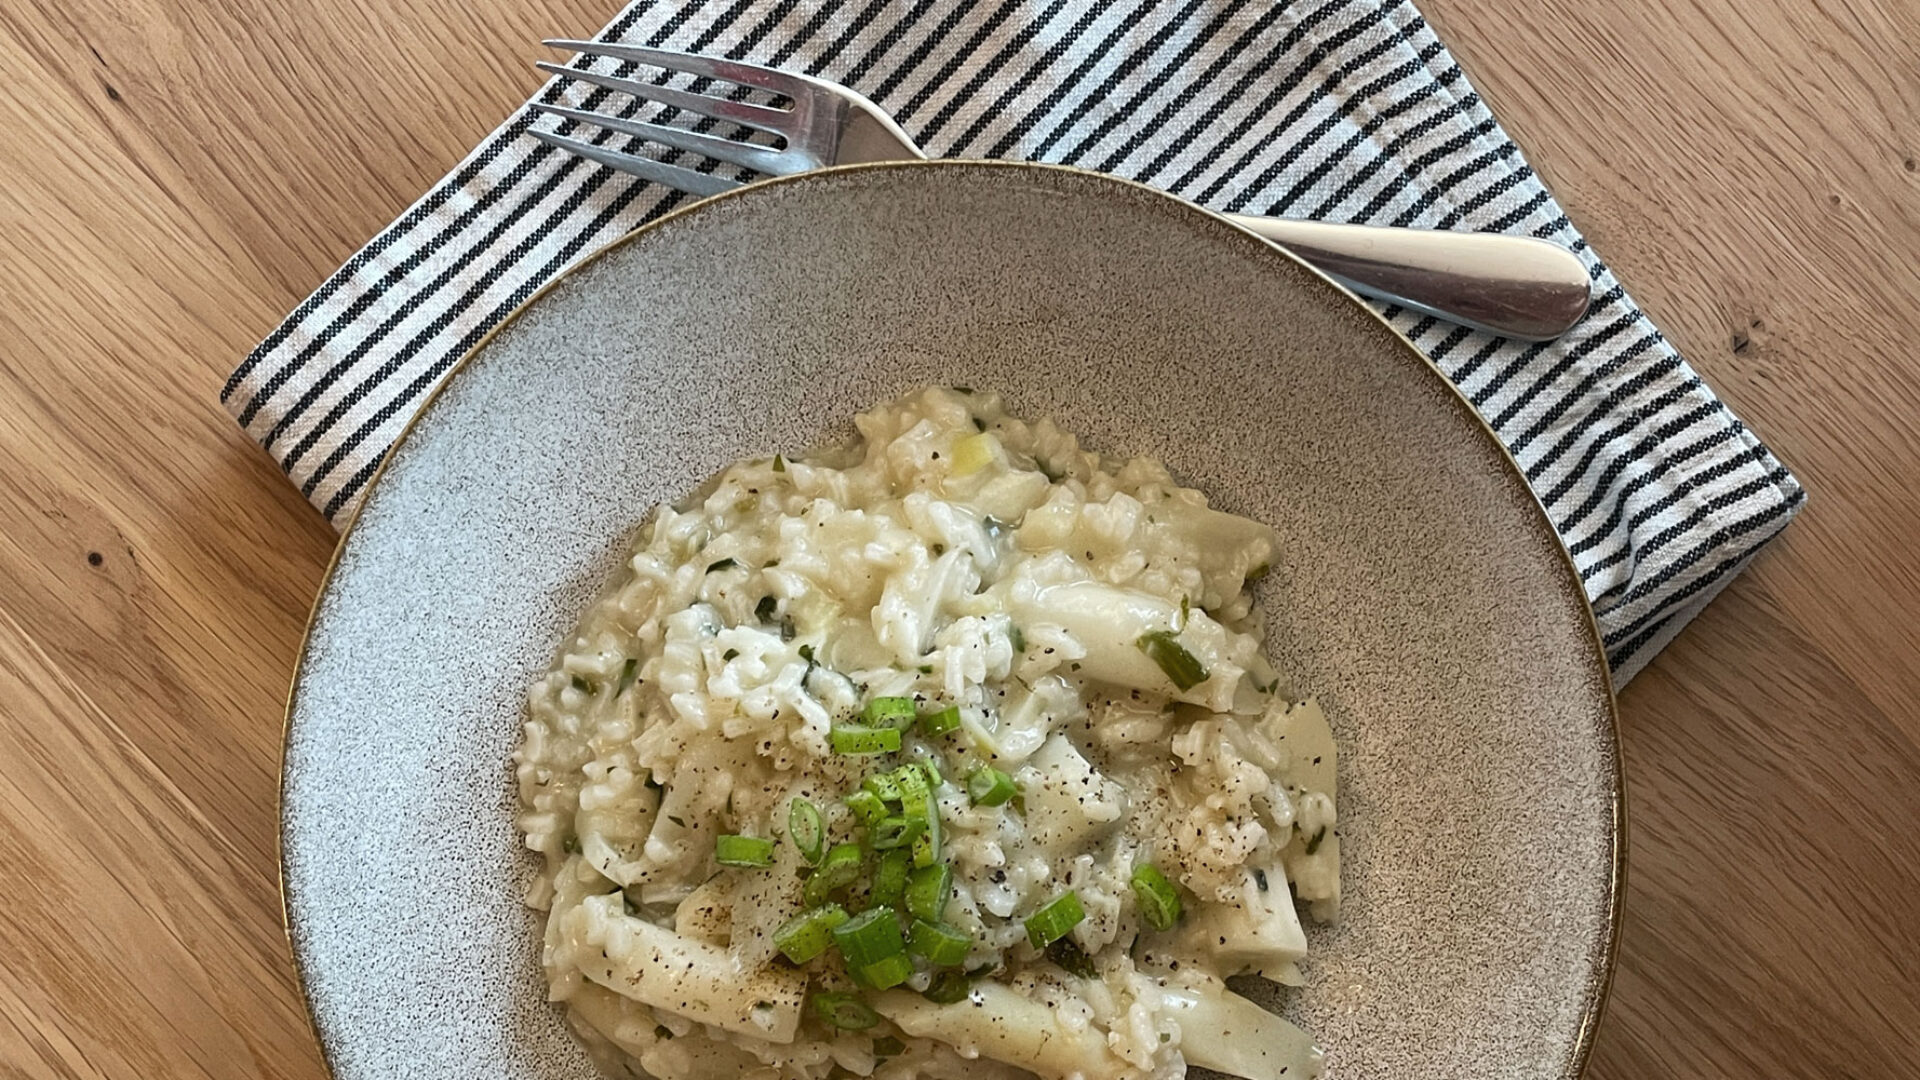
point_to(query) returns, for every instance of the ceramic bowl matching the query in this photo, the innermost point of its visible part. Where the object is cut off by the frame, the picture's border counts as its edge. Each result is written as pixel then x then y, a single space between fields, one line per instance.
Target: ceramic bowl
pixel 1422 595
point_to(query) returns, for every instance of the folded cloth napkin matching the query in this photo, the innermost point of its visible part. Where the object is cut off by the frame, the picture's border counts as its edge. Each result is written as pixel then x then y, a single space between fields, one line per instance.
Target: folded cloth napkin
pixel 1347 110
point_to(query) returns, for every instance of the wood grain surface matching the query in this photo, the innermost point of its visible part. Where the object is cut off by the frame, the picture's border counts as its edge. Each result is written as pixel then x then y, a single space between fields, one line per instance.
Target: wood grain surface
pixel 176 174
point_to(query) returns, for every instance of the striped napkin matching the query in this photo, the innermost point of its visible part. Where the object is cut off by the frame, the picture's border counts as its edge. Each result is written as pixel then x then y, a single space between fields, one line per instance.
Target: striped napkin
pixel 1348 110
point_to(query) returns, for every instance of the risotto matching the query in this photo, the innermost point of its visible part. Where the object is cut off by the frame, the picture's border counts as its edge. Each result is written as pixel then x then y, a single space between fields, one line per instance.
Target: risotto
pixel 950 751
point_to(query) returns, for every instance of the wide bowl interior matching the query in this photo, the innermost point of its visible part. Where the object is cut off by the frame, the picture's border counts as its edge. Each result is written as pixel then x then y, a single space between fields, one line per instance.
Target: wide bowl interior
pixel 1422 595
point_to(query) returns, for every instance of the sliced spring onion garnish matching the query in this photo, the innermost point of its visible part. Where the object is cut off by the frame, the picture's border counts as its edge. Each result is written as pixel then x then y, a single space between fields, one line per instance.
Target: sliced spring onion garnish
pixel 934 779
pixel 723 564
pixel 887 1046
pixel 870 937
pixel 948 987
pixel 1163 648
pixel 627 672
pixel 1159 901
pixel 912 785
pixel 850 739
pixel 939 723
pixel 730 849
pixel 918 804
pixel 938 944
pixel 779 463
pixel 1017 638
pixel 866 806
pixel 839 869
pixel 1313 845
pixel 890 879
pixel 584 686
pixel 1055 919
pixel 809 933
pixel 808 829
pixel 765 609
pixel 988 786
pixel 885 974
pixel 927 891
pixel 1072 958
pixel 893 712
pixel 895 831
pixel 882 785
pixel 844 1011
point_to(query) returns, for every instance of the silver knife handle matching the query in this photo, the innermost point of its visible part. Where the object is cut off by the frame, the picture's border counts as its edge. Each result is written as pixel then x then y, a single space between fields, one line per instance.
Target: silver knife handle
pixel 1514 286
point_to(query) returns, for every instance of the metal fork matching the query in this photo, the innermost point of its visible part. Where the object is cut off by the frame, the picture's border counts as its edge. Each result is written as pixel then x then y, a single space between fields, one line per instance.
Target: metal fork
pixel 1514 286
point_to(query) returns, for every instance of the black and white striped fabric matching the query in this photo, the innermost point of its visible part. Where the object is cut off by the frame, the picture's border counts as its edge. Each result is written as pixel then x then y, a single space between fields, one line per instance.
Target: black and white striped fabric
pixel 1348 110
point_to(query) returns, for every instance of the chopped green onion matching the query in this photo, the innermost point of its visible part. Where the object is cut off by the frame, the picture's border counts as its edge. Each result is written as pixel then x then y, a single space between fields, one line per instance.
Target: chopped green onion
pixel 751 851
pixel 584 686
pixel 850 739
pixel 883 785
pixel 890 879
pixel 779 463
pixel 627 671
pixel 888 1046
pixel 808 830
pixel 723 564
pixel 988 786
pixel 927 891
pixel 948 987
pixel 765 609
pixel 895 831
pixel 926 846
pixel 845 1011
pixel 839 869
pixel 893 712
pixel 918 804
pixel 1159 901
pixel 808 934
pixel 1163 648
pixel 925 669
pixel 1055 919
pixel 934 779
pixel 1017 638
pixel 885 974
pixel 730 654
pixel 939 944
pixel 1072 958
pixel 1313 845
pixel 866 806
pixel 912 784
pixel 869 937
pixel 939 723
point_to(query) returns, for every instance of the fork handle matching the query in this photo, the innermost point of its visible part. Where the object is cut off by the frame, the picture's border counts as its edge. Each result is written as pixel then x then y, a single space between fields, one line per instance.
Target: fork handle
pixel 1513 286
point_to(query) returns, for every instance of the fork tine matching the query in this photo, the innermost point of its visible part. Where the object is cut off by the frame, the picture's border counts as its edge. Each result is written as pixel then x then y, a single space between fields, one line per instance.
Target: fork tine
pixel 733 71
pixel 746 155
pixel 659 172
pixel 739 112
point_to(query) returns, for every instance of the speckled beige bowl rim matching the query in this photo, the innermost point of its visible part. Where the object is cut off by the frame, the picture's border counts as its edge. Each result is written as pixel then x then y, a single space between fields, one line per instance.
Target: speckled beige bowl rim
pixel 1600 987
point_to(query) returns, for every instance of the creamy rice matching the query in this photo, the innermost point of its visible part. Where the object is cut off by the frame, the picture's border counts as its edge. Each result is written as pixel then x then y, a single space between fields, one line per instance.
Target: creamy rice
pixel 1029 621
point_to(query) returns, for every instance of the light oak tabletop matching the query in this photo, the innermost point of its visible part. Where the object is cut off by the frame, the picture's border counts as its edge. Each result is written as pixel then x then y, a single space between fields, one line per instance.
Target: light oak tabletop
pixel 177 174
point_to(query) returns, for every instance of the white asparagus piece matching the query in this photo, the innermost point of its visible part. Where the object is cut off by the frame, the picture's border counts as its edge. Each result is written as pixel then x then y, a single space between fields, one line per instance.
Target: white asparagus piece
pixel 655 966
pixel 1223 1031
pixel 1108 622
pixel 631 1027
pixel 997 1022
pixel 1260 929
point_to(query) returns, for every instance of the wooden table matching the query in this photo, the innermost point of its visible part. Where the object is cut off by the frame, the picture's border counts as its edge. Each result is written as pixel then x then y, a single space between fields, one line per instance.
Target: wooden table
pixel 176 174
